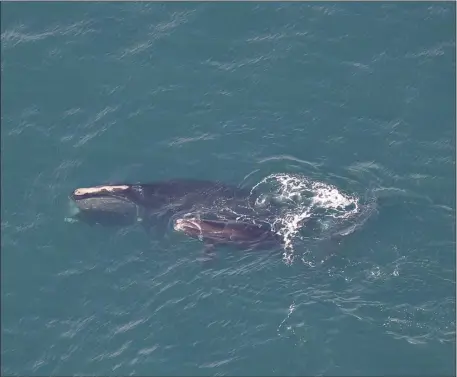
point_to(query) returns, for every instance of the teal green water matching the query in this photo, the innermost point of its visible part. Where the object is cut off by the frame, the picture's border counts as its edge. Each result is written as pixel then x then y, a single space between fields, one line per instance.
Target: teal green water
pixel 360 96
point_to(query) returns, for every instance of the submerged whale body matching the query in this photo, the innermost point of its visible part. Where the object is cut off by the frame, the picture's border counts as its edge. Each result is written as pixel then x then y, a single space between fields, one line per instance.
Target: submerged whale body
pixel 214 207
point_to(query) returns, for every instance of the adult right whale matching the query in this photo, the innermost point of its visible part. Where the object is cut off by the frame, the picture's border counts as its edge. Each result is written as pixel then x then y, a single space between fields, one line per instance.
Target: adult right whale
pixel 215 209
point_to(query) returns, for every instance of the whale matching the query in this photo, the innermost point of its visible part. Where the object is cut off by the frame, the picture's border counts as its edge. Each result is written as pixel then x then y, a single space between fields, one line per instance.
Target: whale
pixel 208 210
pixel 123 204
pixel 251 236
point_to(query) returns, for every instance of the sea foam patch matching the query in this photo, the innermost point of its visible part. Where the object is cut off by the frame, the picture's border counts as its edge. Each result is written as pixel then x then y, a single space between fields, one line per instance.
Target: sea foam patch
pixel 300 198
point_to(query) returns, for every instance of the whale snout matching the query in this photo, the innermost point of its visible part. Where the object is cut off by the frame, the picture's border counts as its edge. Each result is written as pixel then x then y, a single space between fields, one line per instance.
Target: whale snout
pixel 104 205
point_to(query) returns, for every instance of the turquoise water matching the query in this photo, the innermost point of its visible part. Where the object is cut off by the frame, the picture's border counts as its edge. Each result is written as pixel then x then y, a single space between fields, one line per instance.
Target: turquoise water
pixel 358 98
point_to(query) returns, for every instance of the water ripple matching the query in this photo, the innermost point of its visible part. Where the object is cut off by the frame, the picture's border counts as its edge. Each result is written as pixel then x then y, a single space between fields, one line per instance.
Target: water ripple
pixel 13 37
pixel 159 31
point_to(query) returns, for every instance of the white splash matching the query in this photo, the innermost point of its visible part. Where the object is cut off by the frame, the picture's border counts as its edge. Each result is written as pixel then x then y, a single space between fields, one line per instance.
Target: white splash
pixel 300 199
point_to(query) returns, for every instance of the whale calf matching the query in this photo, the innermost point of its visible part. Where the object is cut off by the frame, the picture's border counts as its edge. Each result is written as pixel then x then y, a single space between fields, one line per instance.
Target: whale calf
pixel 222 232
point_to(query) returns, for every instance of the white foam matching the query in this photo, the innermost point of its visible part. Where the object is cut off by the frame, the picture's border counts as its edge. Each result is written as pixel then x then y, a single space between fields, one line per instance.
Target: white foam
pixel 301 198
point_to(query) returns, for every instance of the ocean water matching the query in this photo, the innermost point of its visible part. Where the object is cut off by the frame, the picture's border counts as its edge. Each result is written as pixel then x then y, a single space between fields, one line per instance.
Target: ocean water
pixel 343 108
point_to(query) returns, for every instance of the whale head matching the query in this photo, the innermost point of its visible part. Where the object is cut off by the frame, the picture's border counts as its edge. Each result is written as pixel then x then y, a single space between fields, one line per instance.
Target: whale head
pixel 103 205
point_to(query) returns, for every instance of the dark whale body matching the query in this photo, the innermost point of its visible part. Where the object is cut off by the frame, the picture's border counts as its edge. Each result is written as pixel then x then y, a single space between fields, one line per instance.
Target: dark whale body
pixel 214 207
pixel 221 232
pixel 172 196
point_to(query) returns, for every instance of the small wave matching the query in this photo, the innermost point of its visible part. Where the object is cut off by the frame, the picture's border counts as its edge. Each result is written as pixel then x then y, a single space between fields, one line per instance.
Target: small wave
pixel 12 37
pixel 159 31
